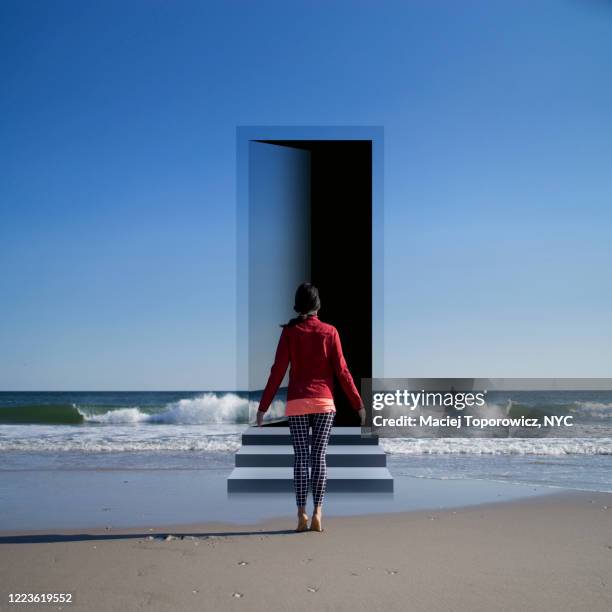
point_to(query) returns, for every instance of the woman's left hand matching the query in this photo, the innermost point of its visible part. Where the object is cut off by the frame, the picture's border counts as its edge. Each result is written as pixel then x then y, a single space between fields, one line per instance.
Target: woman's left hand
pixel 260 416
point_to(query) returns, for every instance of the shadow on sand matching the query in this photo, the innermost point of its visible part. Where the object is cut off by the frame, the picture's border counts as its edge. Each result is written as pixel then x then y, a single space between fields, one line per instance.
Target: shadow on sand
pixel 83 537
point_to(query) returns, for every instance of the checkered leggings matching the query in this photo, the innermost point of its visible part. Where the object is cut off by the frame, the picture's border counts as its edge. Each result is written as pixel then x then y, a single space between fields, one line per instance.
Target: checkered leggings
pixel 304 456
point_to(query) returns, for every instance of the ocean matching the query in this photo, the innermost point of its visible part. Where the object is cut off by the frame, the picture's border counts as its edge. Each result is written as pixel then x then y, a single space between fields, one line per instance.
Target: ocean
pixel 179 430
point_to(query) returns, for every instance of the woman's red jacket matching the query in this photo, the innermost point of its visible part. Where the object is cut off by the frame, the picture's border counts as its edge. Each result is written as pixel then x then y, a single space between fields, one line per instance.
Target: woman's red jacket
pixel 314 350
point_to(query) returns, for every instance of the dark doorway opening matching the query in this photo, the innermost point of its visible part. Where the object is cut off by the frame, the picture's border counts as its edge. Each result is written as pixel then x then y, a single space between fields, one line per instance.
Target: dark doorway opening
pixel 341 249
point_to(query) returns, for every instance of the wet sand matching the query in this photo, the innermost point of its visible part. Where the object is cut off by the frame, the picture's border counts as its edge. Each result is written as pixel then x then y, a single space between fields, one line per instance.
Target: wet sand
pixel 544 553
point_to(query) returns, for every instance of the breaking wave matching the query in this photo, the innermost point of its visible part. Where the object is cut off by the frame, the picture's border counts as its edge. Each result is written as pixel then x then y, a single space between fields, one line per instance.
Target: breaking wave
pixel 202 409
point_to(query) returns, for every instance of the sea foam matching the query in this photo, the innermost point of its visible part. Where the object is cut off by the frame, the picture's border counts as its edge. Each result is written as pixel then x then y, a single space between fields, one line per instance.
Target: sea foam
pixel 200 410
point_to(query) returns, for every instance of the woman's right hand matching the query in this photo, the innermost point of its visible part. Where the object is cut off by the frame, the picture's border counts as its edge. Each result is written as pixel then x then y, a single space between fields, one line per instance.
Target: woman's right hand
pixel 362 415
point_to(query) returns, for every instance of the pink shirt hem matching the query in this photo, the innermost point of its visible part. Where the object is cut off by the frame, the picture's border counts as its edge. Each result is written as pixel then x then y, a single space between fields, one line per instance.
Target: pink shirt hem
pixel 309 405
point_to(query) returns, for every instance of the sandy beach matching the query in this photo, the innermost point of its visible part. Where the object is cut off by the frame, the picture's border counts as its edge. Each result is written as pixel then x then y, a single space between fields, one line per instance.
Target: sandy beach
pixel 552 552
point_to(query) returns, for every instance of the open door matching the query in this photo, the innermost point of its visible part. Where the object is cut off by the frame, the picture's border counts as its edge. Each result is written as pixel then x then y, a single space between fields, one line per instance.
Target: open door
pixel 306 214
pixel 278 249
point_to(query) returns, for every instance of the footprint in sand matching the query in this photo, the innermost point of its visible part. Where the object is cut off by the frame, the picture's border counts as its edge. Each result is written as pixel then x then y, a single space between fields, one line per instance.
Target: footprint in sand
pixel 312 589
pixel 188 553
pixel 391 572
pixel 243 563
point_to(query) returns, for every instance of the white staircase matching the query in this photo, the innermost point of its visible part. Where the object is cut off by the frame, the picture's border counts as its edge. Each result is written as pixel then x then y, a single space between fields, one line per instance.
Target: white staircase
pixel 265 462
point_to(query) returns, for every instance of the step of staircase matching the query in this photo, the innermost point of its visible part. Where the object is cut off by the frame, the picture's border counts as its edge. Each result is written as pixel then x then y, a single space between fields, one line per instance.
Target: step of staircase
pixel 277 479
pixel 280 435
pixel 340 455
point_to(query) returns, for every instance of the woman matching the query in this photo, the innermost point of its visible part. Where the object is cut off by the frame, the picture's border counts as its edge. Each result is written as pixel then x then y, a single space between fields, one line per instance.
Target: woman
pixel 314 350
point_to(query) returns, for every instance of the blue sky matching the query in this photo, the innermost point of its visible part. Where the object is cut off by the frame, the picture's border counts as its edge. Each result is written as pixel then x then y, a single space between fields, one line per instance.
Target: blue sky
pixel 117 198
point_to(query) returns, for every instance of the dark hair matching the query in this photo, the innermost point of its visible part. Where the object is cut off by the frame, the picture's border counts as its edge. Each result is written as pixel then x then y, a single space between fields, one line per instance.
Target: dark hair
pixel 306 300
